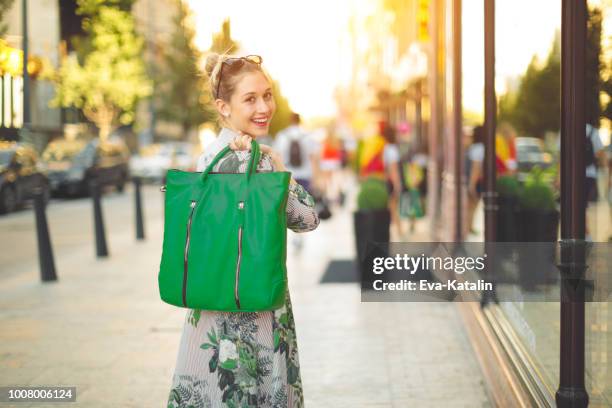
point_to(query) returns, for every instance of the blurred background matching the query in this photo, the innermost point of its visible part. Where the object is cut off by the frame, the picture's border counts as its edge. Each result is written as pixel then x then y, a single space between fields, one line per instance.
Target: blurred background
pixel 99 98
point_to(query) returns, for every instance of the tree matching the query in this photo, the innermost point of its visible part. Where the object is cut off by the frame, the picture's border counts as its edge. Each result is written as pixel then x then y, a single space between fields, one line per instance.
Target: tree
pixel 181 88
pixel 282 117
pixel 111 78
pixel 88 10
pixel 5 6
pixel 536 106
pixel 594 67
pixel 92 7
pixel 222 42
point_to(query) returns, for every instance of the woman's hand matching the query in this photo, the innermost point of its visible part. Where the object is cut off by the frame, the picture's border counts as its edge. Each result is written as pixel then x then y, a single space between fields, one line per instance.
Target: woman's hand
pixel 277 161
pixel 242 142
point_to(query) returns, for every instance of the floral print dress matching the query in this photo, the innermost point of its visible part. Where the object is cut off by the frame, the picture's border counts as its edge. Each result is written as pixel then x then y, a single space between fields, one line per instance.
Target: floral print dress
pixel 243 359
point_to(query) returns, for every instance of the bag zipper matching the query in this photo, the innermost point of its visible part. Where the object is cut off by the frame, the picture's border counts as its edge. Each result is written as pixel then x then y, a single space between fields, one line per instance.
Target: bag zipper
pixel 239 259
pixel 185 264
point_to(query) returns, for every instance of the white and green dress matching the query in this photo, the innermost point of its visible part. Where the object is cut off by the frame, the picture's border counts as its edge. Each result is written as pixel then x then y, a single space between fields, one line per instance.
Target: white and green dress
pixel 245 359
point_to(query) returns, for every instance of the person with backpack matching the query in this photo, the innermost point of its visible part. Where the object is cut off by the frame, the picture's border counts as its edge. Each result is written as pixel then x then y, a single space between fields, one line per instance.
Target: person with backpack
pixel 298 151
pixel 594 152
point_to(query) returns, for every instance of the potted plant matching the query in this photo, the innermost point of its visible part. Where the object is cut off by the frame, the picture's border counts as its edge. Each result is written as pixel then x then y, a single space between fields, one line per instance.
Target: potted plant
pixel 371 222
pixel 539 217
pixel 508 190
pixel 538 222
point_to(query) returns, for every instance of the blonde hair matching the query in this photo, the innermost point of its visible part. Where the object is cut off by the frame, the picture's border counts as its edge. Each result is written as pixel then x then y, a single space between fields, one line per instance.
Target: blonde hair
pixel 229 79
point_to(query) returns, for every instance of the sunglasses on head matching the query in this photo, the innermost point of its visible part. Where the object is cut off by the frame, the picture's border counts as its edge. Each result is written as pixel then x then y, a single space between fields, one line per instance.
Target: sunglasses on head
pixel 237 63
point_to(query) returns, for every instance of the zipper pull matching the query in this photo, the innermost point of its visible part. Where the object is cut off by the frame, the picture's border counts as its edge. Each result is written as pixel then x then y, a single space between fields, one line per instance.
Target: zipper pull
pixel 240 214
pixel 193 203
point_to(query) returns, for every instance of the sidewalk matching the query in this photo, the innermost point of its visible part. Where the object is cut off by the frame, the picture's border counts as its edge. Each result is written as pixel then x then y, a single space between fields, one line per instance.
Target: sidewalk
pixel 103 329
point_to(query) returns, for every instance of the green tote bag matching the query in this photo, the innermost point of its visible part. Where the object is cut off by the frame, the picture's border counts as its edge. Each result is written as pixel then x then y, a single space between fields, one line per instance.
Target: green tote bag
pixel 225 238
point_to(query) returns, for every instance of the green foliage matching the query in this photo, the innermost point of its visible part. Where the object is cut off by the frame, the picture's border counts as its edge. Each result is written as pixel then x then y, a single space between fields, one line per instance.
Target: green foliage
pixel 181 90
pixel 222 42
pixel 5 6
pixel 537 193
pixel 92 7
pixel 594 66
pixel 373 194
pixel 111 79
pixel 282 117
pixel 536 108
pixel 508 186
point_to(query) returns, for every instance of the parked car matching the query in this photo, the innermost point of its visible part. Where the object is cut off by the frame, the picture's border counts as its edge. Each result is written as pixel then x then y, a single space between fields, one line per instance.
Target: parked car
pixel 71 165
pixel 530 153
pixel 20 175
pixel 153 161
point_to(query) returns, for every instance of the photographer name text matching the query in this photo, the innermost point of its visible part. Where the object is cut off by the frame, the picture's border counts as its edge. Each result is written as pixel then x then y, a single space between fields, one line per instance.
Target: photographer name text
pixel 425 285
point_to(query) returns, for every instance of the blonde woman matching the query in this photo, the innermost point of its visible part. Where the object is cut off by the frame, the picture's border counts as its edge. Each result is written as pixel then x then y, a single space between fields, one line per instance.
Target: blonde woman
pixel 242 359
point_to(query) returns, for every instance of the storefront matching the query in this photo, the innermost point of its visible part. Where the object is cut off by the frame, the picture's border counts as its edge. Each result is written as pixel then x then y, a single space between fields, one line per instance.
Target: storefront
pixel 519 343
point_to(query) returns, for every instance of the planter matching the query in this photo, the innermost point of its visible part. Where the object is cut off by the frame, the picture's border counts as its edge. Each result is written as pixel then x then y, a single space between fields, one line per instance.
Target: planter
pixel 538 226
pixel 507 220
pixel 371 226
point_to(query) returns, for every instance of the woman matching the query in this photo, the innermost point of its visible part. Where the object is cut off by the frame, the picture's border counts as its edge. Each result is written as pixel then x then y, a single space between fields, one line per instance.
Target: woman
pixel 331 165
pixel 474 174
pixel 391 159
pixel 245 359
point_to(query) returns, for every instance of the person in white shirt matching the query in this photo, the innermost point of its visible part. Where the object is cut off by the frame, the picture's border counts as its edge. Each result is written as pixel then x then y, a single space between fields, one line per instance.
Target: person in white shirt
pixel 298 151
pixel 474 174
pixel 391 161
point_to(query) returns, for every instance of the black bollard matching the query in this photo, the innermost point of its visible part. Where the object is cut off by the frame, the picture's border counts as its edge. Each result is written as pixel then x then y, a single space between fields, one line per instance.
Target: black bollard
pixel 45 252
pixel 140 235
pixel 101 249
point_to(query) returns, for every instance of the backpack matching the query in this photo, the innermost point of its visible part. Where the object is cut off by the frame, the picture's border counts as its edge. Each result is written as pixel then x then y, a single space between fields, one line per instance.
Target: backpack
pixel 295 153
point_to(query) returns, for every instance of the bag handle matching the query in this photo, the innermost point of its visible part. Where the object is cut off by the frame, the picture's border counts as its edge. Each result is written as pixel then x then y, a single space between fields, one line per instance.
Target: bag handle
pixel 251 168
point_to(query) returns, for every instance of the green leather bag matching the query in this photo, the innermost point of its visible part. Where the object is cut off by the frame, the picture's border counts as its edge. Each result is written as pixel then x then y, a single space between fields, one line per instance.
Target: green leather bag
pixel 225 239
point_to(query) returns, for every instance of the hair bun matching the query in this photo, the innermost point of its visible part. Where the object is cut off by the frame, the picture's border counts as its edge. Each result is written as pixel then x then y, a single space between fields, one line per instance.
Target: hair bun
pixel 212 60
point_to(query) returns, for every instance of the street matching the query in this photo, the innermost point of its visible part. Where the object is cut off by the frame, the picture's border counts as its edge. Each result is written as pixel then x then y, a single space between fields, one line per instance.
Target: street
pixel 71 227
pixel 103 328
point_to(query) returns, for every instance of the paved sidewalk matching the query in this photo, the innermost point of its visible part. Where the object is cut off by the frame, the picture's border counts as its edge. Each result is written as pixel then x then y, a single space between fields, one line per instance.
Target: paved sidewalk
pixel 102 328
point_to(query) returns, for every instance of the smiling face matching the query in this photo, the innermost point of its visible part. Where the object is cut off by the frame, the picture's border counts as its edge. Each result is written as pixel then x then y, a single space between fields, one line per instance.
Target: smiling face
pixel 251 106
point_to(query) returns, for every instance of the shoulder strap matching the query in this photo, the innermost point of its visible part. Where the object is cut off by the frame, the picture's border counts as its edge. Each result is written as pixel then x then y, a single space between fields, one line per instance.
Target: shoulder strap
pixel 252 167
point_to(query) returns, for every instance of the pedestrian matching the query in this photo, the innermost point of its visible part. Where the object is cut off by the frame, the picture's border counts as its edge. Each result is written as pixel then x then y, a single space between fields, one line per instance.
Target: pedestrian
pixel 331 165
pixel 474 158
pixel 505 150
pixel 242 359
pixel 391 162
pixel 299 153
pixel 414 184
pixel 594 154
